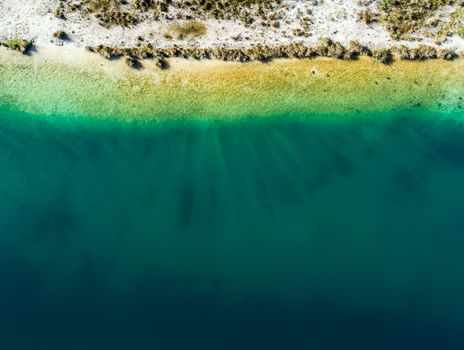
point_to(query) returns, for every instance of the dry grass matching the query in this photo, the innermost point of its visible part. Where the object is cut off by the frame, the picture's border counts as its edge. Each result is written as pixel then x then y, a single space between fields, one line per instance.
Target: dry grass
pixel 190 28
pixel 402 17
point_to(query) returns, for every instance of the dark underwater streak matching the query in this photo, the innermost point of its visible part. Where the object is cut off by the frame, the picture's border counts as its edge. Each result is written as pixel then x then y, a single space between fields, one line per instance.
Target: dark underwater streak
pixel 255 234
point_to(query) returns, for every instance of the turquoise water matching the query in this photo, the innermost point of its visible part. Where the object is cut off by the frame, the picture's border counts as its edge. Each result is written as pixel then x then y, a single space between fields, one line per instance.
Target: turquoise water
pixel 285 233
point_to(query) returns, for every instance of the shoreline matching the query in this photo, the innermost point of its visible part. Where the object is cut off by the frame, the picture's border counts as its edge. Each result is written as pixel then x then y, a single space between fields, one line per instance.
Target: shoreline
pixel 134 56
pixel 62 80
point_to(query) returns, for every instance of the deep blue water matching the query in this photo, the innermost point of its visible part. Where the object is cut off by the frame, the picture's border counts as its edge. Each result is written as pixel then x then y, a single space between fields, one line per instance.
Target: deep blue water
pixel 285 233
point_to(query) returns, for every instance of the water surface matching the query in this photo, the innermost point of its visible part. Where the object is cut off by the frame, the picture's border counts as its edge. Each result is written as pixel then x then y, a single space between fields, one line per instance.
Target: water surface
pixel 302 232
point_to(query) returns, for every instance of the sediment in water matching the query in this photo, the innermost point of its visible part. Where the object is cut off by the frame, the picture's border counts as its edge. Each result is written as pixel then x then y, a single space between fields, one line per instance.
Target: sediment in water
pixel 79 83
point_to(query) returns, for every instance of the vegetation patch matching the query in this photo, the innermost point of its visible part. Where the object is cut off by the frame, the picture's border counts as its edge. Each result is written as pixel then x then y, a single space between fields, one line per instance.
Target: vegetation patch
pixel 402 17
pixel 190 28
pixel 247 11
pixel 368 16
pixel 157 5
pixel 108 12
pixel 455 25
pixel 327 48
pixel 384 56
pixel 127 12
pixel 61 35
pixel 20 45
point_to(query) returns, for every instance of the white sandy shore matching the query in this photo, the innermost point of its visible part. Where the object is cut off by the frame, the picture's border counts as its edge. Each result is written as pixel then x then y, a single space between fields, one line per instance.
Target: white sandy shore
pixel 337 19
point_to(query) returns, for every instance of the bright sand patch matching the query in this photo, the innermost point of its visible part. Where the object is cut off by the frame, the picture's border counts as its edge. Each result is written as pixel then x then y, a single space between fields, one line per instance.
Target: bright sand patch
pixel 73 82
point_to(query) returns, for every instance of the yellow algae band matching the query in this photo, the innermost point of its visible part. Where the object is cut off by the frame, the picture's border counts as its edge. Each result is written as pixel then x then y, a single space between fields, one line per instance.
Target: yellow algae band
pixel 77 83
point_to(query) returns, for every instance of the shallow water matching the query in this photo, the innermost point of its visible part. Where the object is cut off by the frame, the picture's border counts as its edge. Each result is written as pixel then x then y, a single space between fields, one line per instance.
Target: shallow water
pixel 281 233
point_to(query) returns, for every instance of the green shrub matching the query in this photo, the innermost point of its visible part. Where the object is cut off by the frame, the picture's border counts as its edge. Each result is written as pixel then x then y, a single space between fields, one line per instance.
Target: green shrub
pixel 20 45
